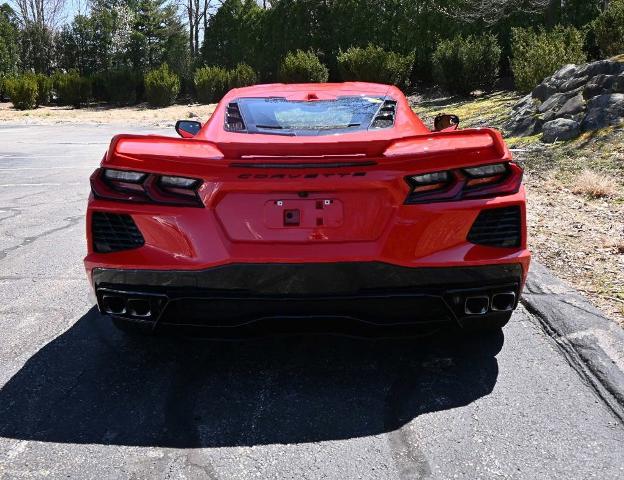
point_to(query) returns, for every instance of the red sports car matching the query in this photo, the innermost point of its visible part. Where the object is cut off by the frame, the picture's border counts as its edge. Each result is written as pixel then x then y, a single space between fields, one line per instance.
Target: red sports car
pixel 318 201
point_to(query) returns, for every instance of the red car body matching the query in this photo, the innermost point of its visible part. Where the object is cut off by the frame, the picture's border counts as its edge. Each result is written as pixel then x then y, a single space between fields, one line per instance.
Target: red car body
pixel 338 224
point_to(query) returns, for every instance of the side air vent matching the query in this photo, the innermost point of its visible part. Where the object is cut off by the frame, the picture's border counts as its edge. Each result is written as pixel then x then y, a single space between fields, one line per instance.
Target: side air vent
pixel 497 227
pixel 385 115
pixel 113 232
pixel 233 119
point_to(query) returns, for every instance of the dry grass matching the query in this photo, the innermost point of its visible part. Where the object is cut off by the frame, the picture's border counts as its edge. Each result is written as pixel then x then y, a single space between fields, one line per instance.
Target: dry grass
pixel 140 114
pixel 595 185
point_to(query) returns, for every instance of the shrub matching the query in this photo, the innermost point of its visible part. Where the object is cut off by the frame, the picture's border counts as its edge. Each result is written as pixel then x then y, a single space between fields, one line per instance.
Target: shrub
pixel 302 67
pixel 465 64
pixel 120 86
pixel 537 54
pixel 374 64
pixel 161 86
pixel 242 76
pixel 211 83
pixel 71 88
pixel 44 88
pixel 609 29
pixel 22 91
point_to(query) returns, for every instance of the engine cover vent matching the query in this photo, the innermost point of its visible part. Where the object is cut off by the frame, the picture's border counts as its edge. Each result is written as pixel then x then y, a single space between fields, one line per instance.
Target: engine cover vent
pixel 233 119
pixel 385 115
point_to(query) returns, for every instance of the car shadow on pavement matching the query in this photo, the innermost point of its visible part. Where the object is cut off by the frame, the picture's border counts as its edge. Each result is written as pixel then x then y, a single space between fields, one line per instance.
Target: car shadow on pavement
pixel 93 384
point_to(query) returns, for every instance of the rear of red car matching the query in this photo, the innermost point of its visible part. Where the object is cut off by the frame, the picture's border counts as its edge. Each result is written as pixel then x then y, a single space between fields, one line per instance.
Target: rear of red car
pixel 386 225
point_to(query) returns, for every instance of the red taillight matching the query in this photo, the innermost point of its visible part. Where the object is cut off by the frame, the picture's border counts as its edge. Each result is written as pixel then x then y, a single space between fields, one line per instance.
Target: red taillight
pixel 130 186
pixel 468 183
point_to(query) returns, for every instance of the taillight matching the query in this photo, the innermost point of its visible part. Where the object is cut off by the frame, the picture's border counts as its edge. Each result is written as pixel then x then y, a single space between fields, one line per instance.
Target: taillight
pixel 131 186
pixel 467 183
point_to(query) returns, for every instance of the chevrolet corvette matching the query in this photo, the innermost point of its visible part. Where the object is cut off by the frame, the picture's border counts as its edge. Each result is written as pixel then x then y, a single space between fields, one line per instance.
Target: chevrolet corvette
pixel 313 201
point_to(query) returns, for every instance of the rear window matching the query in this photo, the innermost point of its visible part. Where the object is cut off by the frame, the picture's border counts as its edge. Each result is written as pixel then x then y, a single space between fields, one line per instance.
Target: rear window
pixel 319 117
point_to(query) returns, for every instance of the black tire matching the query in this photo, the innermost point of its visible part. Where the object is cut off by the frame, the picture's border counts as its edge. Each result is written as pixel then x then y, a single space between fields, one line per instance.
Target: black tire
pixel 493 322
pixel 135 329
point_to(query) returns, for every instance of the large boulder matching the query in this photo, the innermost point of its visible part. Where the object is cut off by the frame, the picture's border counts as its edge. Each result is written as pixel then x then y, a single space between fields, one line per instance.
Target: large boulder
pixel 588 96
pixel 603 111
pixel 560 129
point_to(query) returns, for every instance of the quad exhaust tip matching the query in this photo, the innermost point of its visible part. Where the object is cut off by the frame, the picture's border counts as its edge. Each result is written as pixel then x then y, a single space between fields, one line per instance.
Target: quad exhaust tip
pixel 121 305
pixel 477 305
pixel 503 302
pixel 481 304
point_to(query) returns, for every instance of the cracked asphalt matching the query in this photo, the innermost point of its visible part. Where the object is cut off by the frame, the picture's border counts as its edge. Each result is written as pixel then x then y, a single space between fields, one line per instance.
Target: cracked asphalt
pixel 80 400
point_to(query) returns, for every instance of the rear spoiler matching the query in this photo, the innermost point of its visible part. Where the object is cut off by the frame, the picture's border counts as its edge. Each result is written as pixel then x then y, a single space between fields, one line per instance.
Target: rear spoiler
pixel 472 144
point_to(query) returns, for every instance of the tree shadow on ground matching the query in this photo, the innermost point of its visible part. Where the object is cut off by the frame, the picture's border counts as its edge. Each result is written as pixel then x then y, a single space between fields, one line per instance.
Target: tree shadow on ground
pixel 95 385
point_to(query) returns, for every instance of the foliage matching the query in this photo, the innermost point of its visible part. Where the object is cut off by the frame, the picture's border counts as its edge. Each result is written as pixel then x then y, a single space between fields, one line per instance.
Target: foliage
pixel 302 67
pixel 118 86
pixel 71 88
pixel 211 83
pixel 44 88
pixel 161 86
pixel 22 91
pixel 242 76
pixel 464 64
pixel 609 29
pixel 36 48
pixel 538 54
pixel 235 35
pixel 374 64
pixel 8 42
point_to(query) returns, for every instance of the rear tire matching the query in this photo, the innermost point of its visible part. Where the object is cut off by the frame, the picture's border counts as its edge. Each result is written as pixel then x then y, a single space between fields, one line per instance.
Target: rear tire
pixel 490 323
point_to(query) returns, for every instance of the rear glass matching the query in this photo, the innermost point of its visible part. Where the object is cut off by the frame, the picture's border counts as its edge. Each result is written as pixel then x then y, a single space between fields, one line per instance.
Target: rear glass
pixel 317 117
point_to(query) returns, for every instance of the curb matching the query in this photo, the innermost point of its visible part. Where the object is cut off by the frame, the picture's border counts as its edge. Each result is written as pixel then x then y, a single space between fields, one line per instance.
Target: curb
pixel 592 344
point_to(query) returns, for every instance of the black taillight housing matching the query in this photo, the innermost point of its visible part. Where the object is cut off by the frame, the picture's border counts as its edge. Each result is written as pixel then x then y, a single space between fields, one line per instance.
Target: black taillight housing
pixel 142 187
pixel 483 181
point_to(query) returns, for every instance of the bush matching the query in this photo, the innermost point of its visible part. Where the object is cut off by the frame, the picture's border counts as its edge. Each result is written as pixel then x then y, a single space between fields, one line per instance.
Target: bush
pixel 44 88
pixel 302 67
pixel 22 91
pixel 609 29
pixel 538 54
pixel 71 88
pixel 211 83
pixel 242 76
pixel 374 64
pixel 120 86
pixel 161 86
pixel 464 64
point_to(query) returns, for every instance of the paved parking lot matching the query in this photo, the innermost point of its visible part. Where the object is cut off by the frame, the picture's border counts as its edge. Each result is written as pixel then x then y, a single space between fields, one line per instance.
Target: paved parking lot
pixel 80 400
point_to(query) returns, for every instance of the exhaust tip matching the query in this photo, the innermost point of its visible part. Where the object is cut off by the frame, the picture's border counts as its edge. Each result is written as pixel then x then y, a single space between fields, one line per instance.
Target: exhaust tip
pixel 114 304
pixel 503 302
pixel 476 305
pixel 138 307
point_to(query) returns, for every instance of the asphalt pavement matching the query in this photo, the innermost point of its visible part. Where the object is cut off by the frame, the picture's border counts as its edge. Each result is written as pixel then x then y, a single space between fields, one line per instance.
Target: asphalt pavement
pixel 79 399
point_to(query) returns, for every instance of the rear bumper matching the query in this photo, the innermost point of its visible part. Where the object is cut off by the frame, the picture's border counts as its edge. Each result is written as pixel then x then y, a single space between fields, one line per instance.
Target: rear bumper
pixel 234 295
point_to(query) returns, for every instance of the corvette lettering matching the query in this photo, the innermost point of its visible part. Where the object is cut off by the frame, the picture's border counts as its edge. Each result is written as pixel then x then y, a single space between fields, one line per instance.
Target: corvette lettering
pixel 276 176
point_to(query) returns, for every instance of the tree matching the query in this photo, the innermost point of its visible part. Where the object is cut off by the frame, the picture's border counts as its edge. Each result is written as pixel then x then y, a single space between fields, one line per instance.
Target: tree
pixel 8 41
pixel 155 29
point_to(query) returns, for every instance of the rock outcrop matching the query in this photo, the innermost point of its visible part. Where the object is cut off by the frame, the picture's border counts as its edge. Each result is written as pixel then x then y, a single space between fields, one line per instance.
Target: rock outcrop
pixel 576 99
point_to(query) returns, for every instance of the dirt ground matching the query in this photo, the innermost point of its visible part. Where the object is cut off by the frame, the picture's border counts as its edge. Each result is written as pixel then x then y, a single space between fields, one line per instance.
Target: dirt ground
pixel 104 114
pixel 579 237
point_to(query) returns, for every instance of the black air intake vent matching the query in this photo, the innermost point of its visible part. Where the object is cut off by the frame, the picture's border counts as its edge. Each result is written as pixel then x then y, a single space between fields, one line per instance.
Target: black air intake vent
pixel 113 233
pixel 233 119
pixel 497 227
pixel 385 115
